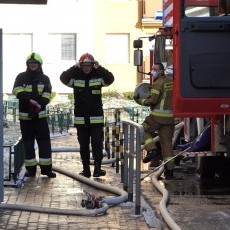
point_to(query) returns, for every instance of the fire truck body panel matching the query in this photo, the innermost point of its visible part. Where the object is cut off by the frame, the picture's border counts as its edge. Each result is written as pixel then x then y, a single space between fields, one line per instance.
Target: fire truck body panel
pixel 199 31
pixel 201 63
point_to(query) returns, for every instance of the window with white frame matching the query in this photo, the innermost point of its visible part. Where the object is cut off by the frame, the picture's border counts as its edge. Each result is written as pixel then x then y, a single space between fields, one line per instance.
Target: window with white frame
pixel 62 47
pixel 117 48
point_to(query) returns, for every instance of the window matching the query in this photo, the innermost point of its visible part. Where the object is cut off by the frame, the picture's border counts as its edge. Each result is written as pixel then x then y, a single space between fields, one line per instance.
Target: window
pixel 62 47
pixel 159 15
pixel 68 47
pixel 208 8
pixel 117 48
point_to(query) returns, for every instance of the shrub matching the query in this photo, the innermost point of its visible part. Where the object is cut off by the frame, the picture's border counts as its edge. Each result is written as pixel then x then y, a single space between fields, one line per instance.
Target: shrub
pixel 128 95
pixel 112 93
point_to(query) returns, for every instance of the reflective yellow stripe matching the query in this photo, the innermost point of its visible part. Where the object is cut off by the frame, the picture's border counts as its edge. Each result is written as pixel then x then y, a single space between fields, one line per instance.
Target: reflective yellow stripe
pixel 45 161
pixel 93 120
pixel 40 88
pixel 46 95
pixel 96 91
pixel 31 162
pixel 25 116
pixel 70 82
pixel 148 141
pixel 95 82
pixel 79 120
pixel 158 114
pixel 97 120
pixel 154 91
pixel 168 86
pixel 79 83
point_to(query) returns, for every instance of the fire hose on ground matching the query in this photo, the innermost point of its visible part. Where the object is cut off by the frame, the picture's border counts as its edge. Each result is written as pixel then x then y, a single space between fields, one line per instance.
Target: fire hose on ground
pixel 104 203
pixel 156 173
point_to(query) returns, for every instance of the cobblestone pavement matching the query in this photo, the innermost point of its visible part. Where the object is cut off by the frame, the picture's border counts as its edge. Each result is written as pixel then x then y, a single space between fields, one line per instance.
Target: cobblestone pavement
pixel 189 208
pixel 64 192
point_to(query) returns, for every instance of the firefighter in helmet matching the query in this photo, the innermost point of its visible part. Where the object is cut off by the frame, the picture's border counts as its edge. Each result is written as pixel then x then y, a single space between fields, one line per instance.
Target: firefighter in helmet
pixel 160 119
pixel 33 90
pixel 87 77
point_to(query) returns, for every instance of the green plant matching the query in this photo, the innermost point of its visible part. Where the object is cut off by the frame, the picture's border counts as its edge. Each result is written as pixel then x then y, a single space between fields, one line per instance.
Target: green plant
pixel 53 95
pixel 71 97
pixel 112 93
pixel 128 95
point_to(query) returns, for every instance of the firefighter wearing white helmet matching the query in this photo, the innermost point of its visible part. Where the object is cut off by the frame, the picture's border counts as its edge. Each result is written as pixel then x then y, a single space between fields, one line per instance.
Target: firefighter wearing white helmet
pixel 33 90
pixel 160 119
pixel 87 78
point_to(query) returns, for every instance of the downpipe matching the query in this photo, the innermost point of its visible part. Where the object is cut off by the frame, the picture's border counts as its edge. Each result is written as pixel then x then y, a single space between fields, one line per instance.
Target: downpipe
pixel 104 203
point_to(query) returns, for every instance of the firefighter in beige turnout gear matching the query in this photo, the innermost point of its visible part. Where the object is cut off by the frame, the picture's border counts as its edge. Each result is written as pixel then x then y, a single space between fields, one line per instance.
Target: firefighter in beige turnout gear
pixel 160 119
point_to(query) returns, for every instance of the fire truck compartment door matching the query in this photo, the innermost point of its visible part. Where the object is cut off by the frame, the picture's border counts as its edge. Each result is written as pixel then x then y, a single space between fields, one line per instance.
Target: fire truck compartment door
pixel 210 71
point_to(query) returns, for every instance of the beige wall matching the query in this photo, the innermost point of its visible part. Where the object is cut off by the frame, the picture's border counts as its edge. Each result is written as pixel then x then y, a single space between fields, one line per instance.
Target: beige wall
pixel 151 6
pixel 118 17
pixel 123 17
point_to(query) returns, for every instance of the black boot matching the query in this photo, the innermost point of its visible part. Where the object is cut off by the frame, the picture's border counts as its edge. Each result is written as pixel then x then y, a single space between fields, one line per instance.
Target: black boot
pixel 97 170
pixel 31 171
pixel 151 155
pixel 86 171
pixel 30 174
pixel 50 174
pixel 168 174
pixel 47 170
pixel 156 161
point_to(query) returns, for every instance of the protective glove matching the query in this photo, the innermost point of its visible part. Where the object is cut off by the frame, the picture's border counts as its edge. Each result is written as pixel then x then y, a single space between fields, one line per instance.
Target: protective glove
pixel 77 65
pixel 136 97
pixel 33 102
pixel 35 105
pixel 96 65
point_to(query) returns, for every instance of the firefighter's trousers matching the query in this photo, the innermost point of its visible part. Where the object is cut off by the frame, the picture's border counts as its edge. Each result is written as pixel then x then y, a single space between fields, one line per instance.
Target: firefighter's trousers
pixel 165 132
pixel 95 136
pixel 38 130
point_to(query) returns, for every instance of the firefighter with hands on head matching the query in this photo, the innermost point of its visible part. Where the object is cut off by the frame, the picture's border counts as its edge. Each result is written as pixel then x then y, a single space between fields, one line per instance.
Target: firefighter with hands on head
pixel 87 77
pixel 33 90
pixel 160 119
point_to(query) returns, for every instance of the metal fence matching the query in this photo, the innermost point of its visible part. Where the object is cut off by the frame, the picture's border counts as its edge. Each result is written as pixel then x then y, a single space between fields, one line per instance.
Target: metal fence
pixel 13 157
pixel 131 163
pixel 60 120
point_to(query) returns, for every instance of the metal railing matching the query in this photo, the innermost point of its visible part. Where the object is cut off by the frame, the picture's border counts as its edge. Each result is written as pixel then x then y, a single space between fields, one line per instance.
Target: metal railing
pixel 58 115
pixel 136 114
pixel 131 162
pixel 59 121
pixel 13 160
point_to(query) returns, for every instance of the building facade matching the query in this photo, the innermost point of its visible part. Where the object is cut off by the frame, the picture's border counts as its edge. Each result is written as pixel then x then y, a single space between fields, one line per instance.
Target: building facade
pixel 63 30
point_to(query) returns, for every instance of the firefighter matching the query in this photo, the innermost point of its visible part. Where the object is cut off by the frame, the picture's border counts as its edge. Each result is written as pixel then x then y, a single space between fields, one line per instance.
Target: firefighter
pixel 87 77
pixel 33 90
pixel 160 119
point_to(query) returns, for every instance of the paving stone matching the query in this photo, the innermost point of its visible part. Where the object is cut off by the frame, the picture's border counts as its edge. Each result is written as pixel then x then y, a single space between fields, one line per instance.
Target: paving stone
pixel 66 193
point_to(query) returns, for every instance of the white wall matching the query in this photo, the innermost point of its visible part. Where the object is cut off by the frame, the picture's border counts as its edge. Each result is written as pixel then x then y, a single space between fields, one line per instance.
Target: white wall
pixel 58 16
pixel 91 20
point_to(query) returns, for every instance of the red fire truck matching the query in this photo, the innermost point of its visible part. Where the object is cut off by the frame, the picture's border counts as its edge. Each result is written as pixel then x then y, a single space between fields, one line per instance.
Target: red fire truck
pixel 199 31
